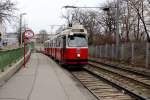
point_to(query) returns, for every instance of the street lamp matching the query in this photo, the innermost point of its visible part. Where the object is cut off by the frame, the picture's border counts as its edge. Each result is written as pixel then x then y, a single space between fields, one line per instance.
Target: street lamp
pixel 79 7
pixel 117 22
pixel 21 27
pixel 103 8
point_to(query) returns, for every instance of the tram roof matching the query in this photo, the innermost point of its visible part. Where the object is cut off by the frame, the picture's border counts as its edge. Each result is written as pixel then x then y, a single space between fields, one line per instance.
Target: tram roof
pixel 76 28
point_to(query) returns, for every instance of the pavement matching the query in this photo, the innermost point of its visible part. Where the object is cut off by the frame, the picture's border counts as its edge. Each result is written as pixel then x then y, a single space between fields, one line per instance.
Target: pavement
pixel 43 79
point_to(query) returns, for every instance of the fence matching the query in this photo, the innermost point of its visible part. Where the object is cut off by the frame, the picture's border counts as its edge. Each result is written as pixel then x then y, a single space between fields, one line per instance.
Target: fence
pixel 9 57
pixel 137 54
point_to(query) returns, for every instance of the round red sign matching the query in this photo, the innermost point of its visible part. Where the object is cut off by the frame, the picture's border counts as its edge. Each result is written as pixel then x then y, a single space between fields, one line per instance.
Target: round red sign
pixel 28 33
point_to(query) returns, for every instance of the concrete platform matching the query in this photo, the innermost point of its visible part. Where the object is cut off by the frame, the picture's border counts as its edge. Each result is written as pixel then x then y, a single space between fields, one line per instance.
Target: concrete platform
pixel 43 79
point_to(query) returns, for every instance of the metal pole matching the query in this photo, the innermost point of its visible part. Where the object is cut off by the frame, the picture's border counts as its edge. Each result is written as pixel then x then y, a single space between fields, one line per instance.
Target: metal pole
pixel 117 30
pixel 132 53
pixel 147 55
pixel 100 49
pixel 112 51
pixel 96 52
pixel 24 52
pixel 122 52
pixel 106 51
pixel 20 29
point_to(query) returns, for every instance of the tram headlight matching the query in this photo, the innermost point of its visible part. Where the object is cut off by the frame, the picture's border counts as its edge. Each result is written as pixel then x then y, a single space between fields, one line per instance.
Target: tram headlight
pixel 78 55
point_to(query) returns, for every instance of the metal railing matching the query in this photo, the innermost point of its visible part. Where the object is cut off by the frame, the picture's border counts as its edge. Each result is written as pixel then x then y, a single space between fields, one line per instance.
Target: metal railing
pixel 10 56
pixel 137 54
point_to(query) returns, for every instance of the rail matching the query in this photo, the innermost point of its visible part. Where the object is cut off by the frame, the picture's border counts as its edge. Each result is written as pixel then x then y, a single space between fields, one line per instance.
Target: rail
pixel 101 88
pixel 133 82
pixel 10 56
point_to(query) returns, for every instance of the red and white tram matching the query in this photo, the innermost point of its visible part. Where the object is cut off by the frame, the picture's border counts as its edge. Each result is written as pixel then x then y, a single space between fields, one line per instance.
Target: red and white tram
pixel 69 46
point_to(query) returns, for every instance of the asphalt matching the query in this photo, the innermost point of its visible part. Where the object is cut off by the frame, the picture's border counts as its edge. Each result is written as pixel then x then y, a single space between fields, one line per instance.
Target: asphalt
pixel 42 79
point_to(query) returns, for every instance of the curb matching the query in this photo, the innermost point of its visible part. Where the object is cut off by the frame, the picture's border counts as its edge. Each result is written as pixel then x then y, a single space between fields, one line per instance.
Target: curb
pixel 5 76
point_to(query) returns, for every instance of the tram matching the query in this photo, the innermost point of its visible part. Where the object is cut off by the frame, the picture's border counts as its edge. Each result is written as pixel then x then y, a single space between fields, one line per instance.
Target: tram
pixel 70 46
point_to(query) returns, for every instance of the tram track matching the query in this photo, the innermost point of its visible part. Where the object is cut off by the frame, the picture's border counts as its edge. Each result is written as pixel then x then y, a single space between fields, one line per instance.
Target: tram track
pixel 135 70
pixel 144 79
pixel 101 88
pixel 135 83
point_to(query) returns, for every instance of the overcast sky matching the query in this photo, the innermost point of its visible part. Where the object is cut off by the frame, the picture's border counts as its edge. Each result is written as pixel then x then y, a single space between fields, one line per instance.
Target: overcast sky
pixel 42 13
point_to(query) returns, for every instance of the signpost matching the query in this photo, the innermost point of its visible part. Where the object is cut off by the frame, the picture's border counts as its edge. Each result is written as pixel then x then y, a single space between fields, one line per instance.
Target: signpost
pixel 28 34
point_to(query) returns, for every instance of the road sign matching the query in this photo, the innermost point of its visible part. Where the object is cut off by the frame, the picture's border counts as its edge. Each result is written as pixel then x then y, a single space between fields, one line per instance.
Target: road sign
pixel 28 33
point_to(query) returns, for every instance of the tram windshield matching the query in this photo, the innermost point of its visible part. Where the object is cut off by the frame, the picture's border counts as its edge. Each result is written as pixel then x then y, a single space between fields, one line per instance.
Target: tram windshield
pixel 77 40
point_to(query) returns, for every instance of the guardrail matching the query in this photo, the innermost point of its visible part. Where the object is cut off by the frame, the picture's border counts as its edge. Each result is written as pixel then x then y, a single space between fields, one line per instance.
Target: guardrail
pixel 10 56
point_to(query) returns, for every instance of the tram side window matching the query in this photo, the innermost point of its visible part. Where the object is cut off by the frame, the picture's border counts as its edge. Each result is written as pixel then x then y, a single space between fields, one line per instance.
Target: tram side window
pixel 55 42
pixel 64 42
pixel 58 42
pixel 61 42
pixel 50 44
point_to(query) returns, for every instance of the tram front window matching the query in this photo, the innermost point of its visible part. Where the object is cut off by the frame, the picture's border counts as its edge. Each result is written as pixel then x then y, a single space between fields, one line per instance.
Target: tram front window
pixel 77 41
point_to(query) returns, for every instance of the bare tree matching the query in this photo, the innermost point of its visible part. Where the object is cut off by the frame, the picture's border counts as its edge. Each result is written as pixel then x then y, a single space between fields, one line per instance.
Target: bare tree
pixel 138 6
pixel 7 8
pixel 43 36
pixel 86 18
pixel 68 16
pixel 134 21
